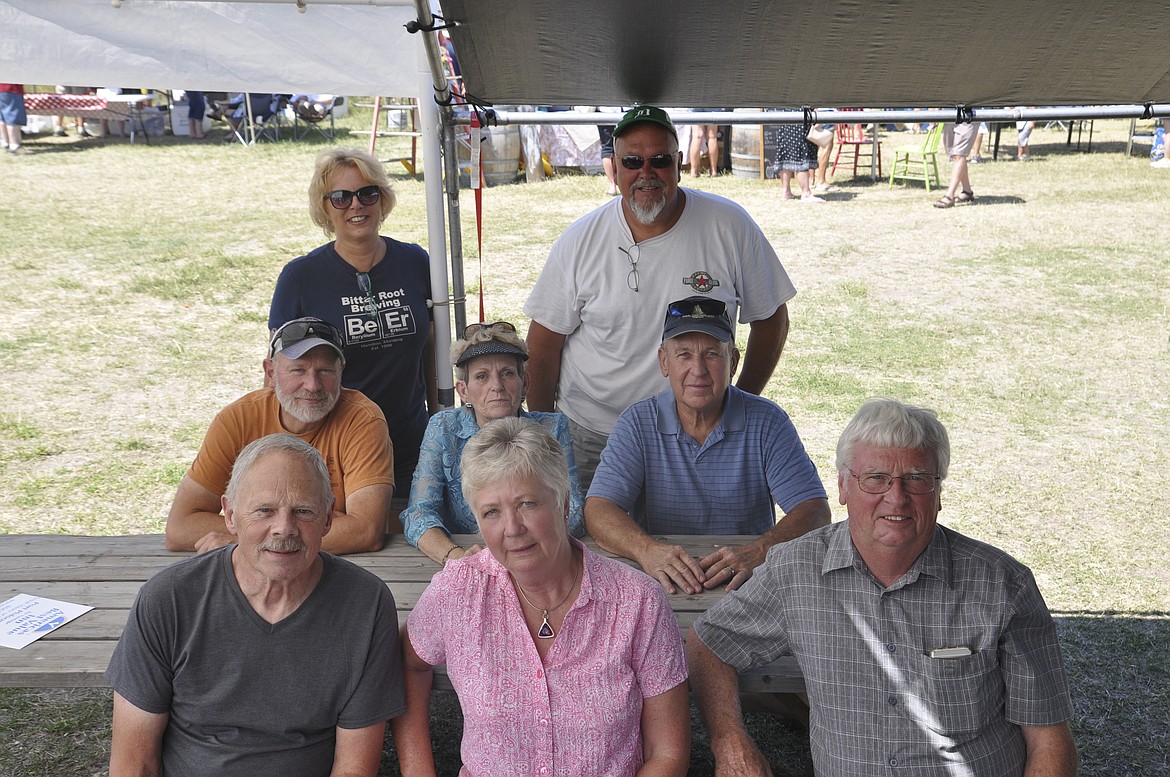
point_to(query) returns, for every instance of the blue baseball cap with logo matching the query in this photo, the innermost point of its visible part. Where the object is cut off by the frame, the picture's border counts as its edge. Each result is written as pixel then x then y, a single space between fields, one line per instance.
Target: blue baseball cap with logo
pixel 698 314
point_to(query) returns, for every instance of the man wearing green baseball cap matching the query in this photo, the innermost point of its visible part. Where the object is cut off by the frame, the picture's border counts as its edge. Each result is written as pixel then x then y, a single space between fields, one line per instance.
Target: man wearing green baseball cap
pixel 593 341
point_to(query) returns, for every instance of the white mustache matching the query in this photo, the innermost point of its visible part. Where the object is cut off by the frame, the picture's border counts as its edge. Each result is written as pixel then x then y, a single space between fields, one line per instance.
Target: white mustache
pixel 283 546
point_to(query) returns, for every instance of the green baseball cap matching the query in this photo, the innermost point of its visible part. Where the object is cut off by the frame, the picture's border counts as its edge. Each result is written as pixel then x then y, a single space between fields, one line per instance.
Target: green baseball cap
pixel 640 113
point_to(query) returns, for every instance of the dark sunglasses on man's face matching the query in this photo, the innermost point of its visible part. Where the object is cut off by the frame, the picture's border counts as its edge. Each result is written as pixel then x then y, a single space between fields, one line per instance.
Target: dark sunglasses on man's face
pixel 295 331
pixel 706 307
pixel 341 198
pixel 658 161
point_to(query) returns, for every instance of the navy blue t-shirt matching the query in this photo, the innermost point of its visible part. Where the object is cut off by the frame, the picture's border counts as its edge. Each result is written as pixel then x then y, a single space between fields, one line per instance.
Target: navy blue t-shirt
pixel 383 348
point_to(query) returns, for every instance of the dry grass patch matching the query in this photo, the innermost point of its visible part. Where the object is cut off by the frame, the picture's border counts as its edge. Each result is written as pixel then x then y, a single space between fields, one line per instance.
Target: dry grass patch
pixel 137 282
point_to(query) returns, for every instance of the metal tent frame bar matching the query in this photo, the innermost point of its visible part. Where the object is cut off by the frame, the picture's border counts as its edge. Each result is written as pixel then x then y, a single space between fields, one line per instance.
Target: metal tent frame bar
pixel 960 114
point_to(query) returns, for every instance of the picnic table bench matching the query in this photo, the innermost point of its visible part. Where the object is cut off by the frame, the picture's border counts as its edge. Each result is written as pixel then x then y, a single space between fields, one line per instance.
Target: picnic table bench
pixel 106 573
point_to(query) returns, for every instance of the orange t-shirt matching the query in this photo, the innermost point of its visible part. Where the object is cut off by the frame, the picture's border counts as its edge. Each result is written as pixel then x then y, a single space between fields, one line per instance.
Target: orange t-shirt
pixel 354 442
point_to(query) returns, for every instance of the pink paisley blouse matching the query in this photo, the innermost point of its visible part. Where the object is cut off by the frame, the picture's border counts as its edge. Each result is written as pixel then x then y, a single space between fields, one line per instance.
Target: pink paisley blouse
pixel 577 713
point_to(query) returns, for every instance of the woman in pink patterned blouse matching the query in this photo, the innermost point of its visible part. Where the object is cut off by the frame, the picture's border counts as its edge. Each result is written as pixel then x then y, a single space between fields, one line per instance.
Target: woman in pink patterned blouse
pixel 566 663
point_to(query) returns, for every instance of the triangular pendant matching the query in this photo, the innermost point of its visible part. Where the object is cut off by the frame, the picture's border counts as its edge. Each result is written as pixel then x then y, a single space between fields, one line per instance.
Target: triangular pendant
pixel 546 630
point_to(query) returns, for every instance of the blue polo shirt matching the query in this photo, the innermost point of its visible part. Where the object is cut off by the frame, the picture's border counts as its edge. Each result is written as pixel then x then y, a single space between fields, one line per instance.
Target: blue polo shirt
pixel 730 484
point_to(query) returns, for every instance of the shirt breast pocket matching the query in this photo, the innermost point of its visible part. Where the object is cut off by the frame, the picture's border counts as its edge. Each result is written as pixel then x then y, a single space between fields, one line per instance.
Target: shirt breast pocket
pixel 961 695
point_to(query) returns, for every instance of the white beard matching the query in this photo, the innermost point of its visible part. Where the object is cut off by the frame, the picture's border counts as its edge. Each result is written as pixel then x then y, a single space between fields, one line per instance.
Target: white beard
pixel 306 415
pixel 646 214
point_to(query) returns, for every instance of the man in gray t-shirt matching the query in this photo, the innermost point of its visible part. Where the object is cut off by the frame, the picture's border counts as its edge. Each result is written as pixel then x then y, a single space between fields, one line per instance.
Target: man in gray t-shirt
pixel 264 657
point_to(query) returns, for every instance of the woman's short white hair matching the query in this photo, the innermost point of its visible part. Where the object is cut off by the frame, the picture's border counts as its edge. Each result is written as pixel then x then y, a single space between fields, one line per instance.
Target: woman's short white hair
pixel 510 448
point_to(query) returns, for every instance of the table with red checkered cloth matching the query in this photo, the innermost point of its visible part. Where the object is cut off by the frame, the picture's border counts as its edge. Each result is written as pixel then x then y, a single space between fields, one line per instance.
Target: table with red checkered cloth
pixel 87 106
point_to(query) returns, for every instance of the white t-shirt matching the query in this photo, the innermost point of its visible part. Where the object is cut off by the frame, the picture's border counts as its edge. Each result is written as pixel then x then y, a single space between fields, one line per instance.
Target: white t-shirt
pixel 612 332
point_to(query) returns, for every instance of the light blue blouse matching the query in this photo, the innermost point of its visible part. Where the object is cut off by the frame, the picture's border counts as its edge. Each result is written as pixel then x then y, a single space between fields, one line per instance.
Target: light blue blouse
pixel 436 495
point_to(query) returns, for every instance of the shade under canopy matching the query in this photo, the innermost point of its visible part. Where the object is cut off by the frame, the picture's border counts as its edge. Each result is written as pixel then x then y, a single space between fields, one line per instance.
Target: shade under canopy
pixel 845 53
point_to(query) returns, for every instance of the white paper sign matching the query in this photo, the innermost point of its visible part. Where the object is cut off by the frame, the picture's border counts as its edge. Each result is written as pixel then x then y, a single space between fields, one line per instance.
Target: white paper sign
pixel 24 619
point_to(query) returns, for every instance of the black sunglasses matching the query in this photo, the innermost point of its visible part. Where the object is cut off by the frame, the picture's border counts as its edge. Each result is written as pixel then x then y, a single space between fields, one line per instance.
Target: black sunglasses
pixel 341 198
pixel 498 326
pixel 706 307
pixel 300 329
pixel 658 161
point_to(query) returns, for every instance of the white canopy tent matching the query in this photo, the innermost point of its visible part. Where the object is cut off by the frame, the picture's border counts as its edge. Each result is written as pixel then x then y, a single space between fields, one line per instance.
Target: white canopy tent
pixel 212 46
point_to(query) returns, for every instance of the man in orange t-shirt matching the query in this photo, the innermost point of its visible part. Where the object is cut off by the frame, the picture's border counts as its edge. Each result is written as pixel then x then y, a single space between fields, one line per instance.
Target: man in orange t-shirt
pixel 305 398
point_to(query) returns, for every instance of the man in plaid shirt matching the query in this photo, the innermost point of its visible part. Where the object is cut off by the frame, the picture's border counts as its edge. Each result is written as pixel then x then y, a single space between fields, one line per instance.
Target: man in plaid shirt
pixel 924 652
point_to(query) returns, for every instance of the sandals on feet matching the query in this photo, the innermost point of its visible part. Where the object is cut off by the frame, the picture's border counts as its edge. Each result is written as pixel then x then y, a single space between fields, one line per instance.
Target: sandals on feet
pixel 944 202
pixel 967 196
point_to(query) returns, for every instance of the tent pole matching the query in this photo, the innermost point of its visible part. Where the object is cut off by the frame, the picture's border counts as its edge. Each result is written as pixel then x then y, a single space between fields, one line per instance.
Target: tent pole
pixel 435 117
pixel 433 186
pixel 437 124
pixel 451 179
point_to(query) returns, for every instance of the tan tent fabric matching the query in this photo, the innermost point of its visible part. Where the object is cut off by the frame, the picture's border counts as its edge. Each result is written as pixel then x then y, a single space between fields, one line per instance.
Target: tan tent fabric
pixel 844 53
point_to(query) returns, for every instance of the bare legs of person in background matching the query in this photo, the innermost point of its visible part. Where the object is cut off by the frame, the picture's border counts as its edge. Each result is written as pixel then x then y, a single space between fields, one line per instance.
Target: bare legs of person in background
pixel 822 171
pixel 607 166
pixel 958 141
pixel 1025 130
pixel 980 136
pixel 960 182
pixel 10 138
pixel 802 181
pixel 699 132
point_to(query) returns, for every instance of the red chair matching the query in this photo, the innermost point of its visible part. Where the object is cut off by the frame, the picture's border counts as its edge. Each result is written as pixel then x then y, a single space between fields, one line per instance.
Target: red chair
pixel 853 138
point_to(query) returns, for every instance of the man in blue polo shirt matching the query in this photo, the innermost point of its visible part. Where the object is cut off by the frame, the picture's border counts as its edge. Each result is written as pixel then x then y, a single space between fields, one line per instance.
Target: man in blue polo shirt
pixel 702 458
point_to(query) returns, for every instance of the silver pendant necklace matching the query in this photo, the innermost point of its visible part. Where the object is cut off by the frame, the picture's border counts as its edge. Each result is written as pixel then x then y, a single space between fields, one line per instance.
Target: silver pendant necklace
pixel 546 629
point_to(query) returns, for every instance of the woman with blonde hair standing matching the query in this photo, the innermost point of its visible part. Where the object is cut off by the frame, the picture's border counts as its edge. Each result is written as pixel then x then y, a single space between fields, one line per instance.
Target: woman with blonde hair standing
pixel 375 290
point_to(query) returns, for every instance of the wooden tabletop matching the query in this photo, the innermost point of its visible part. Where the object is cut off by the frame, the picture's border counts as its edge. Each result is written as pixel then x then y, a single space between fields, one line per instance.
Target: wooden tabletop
pixel 106 572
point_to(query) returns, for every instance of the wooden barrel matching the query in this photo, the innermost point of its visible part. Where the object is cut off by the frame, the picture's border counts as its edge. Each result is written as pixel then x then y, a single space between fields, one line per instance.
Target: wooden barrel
pixel 745 151
pixel 499 155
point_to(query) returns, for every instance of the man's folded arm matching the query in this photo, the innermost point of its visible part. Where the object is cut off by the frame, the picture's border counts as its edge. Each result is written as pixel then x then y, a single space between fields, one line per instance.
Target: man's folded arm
pixel 195 513
pixel 362 526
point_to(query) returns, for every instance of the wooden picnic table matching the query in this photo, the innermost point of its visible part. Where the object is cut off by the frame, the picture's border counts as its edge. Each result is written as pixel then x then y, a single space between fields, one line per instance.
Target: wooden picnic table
pixel 106 572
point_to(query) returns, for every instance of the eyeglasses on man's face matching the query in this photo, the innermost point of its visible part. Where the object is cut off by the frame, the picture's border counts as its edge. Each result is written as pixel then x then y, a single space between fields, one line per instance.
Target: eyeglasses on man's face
pixel 658 161
pixel 912 482
pixel 341 198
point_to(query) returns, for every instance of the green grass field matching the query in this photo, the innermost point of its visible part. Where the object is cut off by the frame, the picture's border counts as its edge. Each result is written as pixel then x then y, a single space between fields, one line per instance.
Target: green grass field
pixel 1036 321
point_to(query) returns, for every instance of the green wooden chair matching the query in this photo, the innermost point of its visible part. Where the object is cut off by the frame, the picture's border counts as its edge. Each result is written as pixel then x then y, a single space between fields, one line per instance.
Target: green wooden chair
pixel 919 164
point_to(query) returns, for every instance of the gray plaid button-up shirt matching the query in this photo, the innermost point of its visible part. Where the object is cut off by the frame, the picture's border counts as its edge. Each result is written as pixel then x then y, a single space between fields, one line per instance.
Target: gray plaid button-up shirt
pixel 881 705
